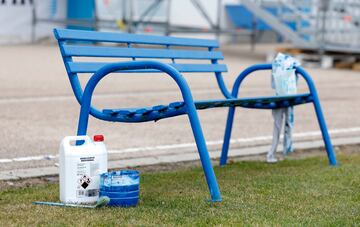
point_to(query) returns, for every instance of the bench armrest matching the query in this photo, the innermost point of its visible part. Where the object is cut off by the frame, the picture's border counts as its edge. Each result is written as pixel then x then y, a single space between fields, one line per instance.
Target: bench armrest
pixel 299 71
pixel 86 107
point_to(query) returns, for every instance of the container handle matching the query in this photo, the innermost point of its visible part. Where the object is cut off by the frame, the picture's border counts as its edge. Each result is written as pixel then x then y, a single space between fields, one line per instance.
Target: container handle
pixel 68 139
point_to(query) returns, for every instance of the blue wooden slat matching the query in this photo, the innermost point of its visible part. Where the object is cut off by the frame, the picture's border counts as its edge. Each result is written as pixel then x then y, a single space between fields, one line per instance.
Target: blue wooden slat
pixel 92 36
pixel 101 51
pixel 264 102
pixel 160 108
pixel 91 67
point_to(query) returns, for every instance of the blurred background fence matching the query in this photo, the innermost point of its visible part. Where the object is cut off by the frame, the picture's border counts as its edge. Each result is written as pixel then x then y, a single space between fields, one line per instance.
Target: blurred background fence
pixel 324 25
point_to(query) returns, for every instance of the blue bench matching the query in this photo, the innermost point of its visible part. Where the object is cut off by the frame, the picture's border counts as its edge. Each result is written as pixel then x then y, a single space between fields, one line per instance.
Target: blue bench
pixel 76 43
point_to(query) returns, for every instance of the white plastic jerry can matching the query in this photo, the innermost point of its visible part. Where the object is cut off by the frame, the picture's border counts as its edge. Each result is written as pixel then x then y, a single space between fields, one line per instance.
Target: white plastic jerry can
pixel 80 168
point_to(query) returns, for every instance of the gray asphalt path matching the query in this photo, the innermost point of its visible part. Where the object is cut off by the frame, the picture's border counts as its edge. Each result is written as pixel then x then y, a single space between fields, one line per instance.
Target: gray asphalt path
pixel 38 108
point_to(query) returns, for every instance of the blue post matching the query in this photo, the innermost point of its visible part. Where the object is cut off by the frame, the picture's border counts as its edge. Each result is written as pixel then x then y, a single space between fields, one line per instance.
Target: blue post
pixel 82 10
pixel 227 136
pixel 324 132
pixel 231 113
pixel 320 116
pixel 204 154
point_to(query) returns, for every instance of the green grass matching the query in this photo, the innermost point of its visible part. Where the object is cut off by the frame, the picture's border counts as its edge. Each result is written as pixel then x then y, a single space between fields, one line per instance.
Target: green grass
pixel 290 193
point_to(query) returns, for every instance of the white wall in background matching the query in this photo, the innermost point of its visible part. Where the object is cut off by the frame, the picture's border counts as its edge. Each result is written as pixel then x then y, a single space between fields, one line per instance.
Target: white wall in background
pixel 16 19
pixel 113 9
pixel 182 12
pixel 49 9
pixel 109 9
pixel 15 22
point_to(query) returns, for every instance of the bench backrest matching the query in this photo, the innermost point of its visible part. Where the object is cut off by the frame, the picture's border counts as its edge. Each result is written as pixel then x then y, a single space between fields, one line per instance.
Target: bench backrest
pixel 78 43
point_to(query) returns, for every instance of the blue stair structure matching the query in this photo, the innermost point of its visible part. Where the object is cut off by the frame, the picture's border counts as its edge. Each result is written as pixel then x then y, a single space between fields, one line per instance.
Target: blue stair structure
pixel 308 24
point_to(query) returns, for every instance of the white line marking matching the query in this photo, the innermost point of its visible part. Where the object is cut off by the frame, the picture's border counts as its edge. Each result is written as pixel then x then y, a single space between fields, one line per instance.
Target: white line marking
pixel 232 141
pixel 110 95
pixel 188 145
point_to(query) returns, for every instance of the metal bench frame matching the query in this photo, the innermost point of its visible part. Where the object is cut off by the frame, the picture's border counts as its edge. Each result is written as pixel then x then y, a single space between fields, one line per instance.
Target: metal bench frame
pixel 75 43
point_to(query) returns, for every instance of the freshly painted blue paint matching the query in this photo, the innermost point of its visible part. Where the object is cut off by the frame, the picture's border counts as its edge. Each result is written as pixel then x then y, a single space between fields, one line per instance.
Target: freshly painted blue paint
pixel 188 100
pixel 101 51
pixel 187 106
pixel 143 114
pixel 91 67
pixel 312 98
pixel 115 37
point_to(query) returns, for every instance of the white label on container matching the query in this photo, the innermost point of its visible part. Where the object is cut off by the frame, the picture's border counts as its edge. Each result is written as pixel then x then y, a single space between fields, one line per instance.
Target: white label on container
pixel 82 168
pixel 80 193
pixel 87 193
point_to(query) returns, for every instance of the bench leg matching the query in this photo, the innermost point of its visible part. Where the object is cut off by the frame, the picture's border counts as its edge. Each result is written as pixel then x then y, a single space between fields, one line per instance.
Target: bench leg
pixel 82 125
pixel 83 118
pixel 204 155
pixel 227 136
pixel 324 131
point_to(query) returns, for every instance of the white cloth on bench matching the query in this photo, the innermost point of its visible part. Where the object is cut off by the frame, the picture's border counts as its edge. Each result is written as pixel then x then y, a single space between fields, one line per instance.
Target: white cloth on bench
pixel 284 81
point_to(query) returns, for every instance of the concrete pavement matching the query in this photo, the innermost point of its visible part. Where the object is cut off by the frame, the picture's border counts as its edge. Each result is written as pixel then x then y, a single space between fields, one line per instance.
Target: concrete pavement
pixel 38 108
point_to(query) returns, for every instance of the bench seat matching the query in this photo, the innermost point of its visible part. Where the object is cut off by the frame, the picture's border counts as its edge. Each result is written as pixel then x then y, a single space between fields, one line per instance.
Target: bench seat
pixel 178 108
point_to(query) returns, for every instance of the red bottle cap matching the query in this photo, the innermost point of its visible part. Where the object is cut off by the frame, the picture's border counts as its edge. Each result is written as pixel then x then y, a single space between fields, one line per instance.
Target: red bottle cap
pixel 98 138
